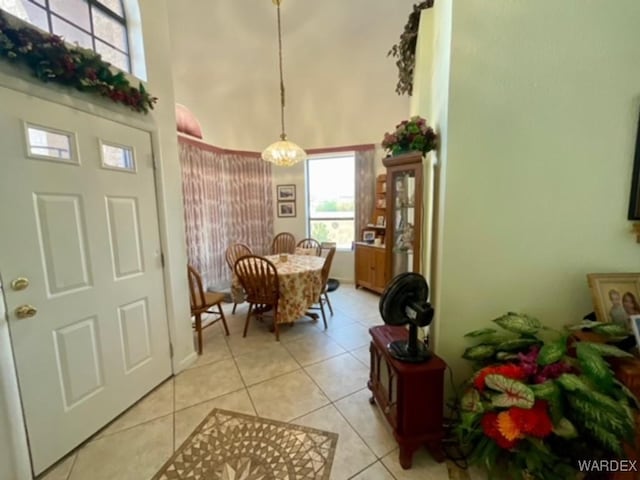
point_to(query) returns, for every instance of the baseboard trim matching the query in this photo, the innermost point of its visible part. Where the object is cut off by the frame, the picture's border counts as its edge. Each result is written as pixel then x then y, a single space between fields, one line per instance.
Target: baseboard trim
pixel 186 362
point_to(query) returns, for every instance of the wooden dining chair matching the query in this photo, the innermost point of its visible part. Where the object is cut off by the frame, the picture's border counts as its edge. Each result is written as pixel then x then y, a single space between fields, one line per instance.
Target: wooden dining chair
pixel 324 297
pixel 233 253
pixel 284 242
pixel 308 244
pixel 259 278
pixel 203 302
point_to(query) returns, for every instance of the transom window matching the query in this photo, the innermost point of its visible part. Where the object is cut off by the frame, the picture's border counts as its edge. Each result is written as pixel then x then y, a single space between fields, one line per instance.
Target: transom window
pixel 331 198
pixel 99 25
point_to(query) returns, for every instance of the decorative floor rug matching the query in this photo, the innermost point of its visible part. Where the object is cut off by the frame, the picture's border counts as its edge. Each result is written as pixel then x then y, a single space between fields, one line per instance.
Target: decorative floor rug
pixel 233 446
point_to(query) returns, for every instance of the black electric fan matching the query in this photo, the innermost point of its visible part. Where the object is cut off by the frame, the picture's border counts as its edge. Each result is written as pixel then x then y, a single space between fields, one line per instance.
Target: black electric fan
pixel 403 301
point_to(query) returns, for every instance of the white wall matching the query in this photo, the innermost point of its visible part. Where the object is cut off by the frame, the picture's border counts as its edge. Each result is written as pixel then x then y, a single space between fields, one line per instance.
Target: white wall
pixel 340 85
pixel 157 41
pixel 543 110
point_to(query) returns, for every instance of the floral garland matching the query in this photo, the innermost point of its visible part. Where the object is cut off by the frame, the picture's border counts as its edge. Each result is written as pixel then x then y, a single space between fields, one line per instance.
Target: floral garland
pixel 405 49
pixel 51 60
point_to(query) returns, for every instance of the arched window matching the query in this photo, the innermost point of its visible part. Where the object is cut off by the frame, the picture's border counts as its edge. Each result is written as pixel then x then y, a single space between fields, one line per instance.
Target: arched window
pixel 99 25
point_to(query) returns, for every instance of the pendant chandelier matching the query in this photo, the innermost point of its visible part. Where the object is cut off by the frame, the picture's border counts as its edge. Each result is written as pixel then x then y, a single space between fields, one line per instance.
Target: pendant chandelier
pixel 283 152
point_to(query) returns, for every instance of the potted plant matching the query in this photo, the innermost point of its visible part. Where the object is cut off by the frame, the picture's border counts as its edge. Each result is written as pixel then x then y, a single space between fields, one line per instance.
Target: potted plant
pixel 534 408
pixel 413 134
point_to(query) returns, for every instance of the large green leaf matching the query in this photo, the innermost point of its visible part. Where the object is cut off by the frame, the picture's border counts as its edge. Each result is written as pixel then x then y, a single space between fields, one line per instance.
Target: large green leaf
pixel 514 393
pixel 572 383
pixel 597 415
pixel 517 344
pixel 518 323
pixel 470 401
pixel 565 429
pixel 552 352
pixel 550 392
pixel 583 324
pixel 479 352
pixel 606 350
pixel 481 332
pixel 505 356
pixel 611 330
pixel 594 366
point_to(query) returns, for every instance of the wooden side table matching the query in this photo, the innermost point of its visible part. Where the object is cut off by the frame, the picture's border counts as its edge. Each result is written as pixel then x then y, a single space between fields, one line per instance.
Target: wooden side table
pixel 410 395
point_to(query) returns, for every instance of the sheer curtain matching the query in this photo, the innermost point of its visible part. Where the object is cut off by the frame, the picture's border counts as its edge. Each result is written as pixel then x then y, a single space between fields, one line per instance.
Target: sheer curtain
pixel 227 199
pixel 365 187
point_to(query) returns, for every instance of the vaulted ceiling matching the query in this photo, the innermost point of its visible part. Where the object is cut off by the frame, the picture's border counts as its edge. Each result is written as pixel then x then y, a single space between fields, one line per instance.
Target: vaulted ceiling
pixel 340 83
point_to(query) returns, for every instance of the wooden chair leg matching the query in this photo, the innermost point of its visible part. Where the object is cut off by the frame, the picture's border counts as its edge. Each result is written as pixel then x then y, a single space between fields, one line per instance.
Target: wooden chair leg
pixel 246 323
pixel 224 320
pixel 233 310
pixel 275 323
pixel 324 317
pixel 326 296
pixel 199 332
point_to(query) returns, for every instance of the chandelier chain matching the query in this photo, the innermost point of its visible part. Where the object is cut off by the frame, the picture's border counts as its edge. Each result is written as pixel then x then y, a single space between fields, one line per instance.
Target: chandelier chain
pixel 283 135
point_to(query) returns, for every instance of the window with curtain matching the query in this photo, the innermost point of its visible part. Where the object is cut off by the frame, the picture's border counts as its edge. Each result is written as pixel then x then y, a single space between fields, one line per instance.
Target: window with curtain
pixel 99 25
pixel 331 198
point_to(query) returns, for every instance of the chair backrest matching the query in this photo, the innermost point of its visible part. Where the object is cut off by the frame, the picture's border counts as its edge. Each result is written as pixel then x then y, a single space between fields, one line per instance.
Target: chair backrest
pixel 309 243
pixel 326 267
pixel 235 251
pixel 284 242
pixel 196 291
pixel 259 278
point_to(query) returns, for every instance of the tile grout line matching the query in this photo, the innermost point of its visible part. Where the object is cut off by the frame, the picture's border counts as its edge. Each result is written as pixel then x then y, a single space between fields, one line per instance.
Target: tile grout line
pixel 246 389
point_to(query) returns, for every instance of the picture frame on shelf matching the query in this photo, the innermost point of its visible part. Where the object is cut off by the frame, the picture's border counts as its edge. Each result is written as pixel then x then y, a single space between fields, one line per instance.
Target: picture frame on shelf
pixel 616 296
pixel 368 236
pixel 286 209
pixel 286 193
pixel 634 320
pixel 380 221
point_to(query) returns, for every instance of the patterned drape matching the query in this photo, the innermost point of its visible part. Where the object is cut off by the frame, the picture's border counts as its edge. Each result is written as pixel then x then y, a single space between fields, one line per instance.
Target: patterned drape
pixel 365 187
pixel 227 199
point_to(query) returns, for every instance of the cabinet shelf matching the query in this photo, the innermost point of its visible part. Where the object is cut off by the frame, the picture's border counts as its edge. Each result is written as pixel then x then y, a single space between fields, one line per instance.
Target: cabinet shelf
pixel 404 214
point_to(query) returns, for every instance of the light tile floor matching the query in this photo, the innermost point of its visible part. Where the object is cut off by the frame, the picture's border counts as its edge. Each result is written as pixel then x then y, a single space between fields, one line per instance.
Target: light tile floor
pixel 311 377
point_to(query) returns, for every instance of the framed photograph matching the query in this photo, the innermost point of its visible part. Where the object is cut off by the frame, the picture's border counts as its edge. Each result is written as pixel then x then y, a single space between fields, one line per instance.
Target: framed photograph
pixel 368 236
pixel 635 327
pixel 286 193
pixel 287 209
pixel 616 296
pixel 634 201
pixel 380 221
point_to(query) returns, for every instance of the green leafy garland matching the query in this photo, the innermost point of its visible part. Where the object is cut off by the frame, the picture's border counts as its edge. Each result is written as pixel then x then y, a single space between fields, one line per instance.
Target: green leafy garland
pixel 51 60
pixel 405 49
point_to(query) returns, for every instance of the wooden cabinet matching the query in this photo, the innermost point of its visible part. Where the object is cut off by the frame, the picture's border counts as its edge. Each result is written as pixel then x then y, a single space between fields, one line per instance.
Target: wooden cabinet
pixel 370 266
pixel 404 213
pixel 410 395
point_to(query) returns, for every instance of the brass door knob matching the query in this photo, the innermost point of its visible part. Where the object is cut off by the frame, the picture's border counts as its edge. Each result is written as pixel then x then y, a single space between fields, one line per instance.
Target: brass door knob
pixel 26 311
pixel 19 283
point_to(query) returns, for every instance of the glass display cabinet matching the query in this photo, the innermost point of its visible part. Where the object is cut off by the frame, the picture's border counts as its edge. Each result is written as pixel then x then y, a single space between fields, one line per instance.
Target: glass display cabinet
pixel 404 213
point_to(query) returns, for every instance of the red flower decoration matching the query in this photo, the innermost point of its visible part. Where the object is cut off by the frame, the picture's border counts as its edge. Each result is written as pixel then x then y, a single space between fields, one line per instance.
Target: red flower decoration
pixel 489 424
pixel 534 421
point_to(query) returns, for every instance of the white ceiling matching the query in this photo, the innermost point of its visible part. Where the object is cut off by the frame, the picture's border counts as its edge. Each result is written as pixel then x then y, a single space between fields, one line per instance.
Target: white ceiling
pixel 340 83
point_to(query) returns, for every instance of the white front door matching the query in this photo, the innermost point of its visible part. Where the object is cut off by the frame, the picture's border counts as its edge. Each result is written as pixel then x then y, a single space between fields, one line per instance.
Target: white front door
pixel 78 222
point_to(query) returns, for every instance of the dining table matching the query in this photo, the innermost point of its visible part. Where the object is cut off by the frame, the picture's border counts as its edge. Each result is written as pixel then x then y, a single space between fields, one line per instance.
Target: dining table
pixel 300 284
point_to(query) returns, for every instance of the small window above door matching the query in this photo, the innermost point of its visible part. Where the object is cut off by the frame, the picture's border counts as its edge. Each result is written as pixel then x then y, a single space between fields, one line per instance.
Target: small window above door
pixel 117 157
pixel 50 144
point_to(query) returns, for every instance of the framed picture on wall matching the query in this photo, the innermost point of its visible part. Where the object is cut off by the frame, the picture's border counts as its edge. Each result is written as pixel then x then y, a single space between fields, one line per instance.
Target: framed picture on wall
pixel 286 209
pixel 286 193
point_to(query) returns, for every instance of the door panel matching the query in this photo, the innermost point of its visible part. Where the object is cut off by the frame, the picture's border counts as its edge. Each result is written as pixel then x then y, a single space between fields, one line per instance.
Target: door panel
pixel 86 236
